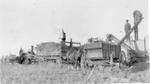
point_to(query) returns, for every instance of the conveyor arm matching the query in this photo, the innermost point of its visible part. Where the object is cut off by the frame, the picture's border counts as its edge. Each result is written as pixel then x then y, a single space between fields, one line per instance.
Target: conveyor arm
pixel 112 37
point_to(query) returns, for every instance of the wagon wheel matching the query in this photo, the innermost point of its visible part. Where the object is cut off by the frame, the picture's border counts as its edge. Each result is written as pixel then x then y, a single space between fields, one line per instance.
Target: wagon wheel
pixel 26 61
pixel 122 60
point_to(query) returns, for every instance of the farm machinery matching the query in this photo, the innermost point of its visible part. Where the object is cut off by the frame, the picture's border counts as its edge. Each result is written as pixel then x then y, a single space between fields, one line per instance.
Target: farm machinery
pixel 97 52
pixel 111 51
pixel 28 57
pixel 114 51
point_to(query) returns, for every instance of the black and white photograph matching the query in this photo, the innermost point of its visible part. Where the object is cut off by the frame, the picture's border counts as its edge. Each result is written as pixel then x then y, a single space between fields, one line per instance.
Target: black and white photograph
pixel 74 41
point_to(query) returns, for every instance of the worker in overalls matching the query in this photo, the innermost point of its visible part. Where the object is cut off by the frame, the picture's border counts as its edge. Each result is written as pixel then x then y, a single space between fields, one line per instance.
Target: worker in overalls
pixel 70 46
pixel 22 55
pixel 21 52
pixel 63 40
pixel 64 36
pixel 31 51
pixel 127 29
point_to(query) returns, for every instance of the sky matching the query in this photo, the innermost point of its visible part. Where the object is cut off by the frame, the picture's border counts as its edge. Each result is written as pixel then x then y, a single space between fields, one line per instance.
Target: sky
pixel 29 22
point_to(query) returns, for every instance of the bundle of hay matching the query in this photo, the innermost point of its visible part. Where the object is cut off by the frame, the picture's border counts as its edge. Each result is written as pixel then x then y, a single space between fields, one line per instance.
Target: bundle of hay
pixel 47 48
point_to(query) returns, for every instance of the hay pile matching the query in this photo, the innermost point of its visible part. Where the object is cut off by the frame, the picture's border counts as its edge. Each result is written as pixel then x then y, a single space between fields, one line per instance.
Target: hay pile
pixel 47 48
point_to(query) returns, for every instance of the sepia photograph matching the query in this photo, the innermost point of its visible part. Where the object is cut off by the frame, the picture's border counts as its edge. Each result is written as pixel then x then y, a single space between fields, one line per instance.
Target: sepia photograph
pixel 74 41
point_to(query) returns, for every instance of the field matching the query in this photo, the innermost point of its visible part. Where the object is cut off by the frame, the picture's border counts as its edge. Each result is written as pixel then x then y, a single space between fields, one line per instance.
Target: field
pixel 50 73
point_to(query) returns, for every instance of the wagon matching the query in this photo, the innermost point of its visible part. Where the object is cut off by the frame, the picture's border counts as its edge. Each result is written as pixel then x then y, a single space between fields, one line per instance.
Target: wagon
pixel 100 53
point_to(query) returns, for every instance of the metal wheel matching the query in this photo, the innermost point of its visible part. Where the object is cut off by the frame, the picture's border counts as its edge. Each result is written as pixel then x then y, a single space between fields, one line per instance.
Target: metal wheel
pixel 26 61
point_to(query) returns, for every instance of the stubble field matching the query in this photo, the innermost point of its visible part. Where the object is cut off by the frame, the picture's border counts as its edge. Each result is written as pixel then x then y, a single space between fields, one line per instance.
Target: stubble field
pixel 50 73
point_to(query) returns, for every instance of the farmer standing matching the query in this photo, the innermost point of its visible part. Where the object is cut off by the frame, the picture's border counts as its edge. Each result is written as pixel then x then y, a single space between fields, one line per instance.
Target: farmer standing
pixel 21 52
pixel 127 29
pixel 70 43
pixel 64 36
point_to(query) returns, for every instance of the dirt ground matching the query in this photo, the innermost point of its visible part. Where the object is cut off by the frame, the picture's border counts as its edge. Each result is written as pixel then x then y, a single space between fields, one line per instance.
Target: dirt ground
pixel 50 73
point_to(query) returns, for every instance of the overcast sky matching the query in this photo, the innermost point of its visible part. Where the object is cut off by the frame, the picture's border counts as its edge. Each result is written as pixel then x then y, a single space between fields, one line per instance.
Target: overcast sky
pixel 29 22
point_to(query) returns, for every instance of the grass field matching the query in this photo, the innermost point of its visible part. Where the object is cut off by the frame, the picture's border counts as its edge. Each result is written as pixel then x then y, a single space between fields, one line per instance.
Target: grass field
pixel 50 73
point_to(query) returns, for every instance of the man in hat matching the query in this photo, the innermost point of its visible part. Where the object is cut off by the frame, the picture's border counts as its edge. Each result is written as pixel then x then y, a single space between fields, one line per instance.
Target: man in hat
pixel 127 29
